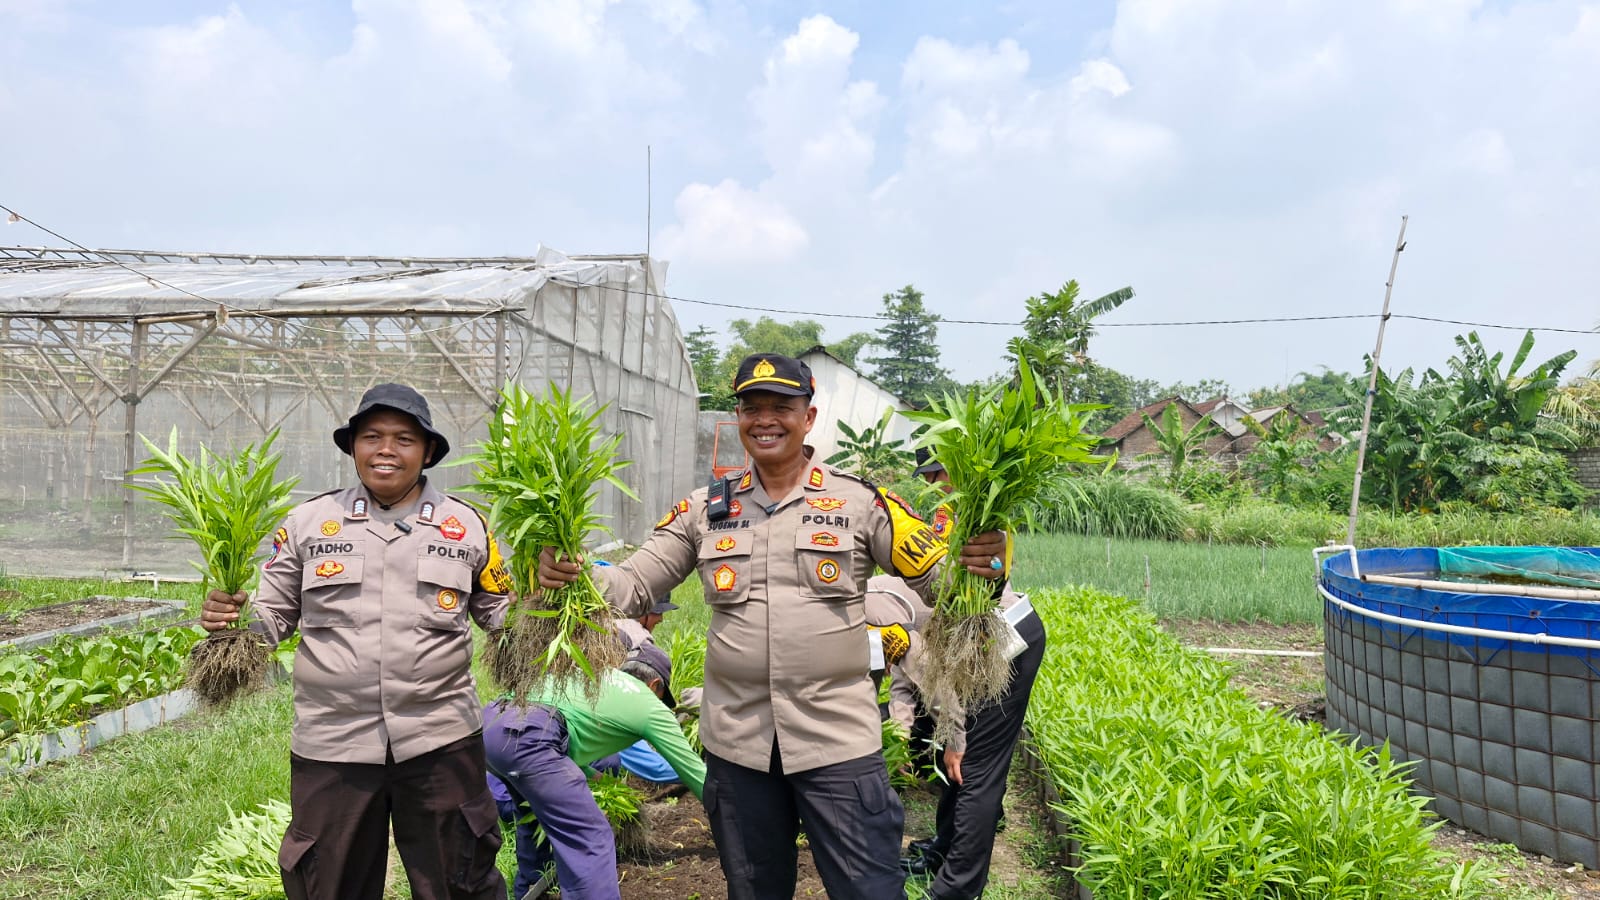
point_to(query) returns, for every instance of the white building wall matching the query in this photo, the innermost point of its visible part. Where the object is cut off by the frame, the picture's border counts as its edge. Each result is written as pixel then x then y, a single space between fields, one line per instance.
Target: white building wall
pixel 843 393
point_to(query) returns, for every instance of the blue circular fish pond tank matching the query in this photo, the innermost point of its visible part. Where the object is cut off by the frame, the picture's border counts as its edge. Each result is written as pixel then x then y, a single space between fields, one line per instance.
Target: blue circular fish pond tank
pixel 1481 665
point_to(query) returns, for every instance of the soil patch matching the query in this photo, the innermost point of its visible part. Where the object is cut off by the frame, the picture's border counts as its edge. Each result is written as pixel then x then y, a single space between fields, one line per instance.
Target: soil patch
pixel 680 862
pixel 1295 686
pixel 63 615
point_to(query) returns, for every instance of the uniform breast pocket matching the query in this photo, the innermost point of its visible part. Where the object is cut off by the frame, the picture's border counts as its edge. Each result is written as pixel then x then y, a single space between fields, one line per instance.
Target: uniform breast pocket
pixel 330 588
pixel 822 557
pixel 725 568
pixel 443 586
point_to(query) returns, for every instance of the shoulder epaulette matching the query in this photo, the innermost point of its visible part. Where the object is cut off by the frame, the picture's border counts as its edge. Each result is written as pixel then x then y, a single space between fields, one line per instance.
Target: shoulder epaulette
pixel 324 494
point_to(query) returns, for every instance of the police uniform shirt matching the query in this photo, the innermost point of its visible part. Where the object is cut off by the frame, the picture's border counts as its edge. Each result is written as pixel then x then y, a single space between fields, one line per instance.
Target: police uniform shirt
pixel 786 652
pixel 385 654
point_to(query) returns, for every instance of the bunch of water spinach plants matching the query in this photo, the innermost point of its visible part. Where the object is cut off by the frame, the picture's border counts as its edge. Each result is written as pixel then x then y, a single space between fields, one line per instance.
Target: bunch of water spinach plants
pixel 227 505
pixel 1003 448
pixel 539 475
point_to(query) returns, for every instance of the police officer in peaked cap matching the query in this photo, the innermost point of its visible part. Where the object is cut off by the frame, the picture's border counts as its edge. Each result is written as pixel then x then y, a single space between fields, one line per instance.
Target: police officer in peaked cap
pixel 380 579
pixel 789 716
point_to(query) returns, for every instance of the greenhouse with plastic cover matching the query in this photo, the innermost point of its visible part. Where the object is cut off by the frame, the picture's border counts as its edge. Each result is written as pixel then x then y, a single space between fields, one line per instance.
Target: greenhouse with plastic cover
pixel 100 347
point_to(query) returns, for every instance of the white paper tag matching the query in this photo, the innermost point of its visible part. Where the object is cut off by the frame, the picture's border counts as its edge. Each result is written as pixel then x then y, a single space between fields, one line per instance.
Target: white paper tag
pixel 875 648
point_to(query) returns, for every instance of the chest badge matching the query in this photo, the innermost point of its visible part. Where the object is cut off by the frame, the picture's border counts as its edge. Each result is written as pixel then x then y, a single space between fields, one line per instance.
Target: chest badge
pixel 941 521
pixel 824 504
pixel 734 509
pixel 453 529
pixel 726 544
pixel 449 600
pixel 827 571
pixel 825 539
pixel 724 578
pixel 328 569
pixel 330 528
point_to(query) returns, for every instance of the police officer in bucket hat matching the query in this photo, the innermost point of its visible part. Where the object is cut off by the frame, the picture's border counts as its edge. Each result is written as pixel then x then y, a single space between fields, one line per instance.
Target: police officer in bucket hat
pixel 789 716
pixel 380 579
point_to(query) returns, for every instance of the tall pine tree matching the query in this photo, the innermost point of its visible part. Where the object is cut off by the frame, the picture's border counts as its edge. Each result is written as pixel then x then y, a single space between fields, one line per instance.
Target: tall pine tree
pixel 908 365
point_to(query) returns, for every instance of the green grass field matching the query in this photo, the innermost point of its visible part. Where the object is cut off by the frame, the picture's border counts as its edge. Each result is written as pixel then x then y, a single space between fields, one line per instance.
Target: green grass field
pixel 1193 581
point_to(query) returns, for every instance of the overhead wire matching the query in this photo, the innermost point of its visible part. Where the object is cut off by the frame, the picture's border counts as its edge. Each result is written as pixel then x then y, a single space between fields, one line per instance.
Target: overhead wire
pixel 1263 320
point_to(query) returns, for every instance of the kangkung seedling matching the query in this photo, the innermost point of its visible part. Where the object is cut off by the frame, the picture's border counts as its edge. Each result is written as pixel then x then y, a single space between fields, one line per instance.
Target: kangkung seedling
pixel 227 505
pixel 1002 449
pixel 540 472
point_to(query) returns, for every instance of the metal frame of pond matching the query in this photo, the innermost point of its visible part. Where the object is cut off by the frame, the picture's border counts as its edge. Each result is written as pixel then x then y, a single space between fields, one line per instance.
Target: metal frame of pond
pixel 1500 723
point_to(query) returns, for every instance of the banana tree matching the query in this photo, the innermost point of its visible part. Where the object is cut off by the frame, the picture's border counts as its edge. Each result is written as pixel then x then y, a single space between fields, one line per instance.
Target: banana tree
pixel 1176 444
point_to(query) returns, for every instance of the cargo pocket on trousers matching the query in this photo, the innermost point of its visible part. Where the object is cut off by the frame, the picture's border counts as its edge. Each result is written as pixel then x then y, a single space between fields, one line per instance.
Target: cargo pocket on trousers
pixel 479 843
pixel 297 858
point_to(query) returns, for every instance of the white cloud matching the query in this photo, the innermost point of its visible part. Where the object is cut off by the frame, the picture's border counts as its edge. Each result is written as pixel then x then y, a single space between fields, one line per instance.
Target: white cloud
pixel 1100 75
pixel 816 123
pixel 728 224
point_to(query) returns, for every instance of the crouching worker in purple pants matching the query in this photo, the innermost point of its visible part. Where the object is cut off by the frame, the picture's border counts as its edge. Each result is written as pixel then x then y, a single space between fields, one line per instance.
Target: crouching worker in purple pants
pixel 536 752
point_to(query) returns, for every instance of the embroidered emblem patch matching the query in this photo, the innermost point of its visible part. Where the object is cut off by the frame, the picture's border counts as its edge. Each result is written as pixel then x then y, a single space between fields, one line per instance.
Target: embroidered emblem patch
pixel 941 521
pixel 734 509
pixel 329 568
pixel 825 539
pixel 726 544
pixel 678 509
pixel 330 528
pixel 824 504
pixel 449 600
pixel 724 578
pixel 763 369
pixel 744 483
pixel 280 539
pixel 816 478
pixel 453 529
pixel 827 571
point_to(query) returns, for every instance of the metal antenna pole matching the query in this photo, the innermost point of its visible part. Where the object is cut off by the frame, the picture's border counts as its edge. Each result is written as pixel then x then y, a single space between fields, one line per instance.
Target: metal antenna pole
pixel 649 198
pixel 1372 385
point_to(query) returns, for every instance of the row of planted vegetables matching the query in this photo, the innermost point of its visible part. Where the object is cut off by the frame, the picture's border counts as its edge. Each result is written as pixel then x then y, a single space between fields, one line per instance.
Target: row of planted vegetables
pixel 62 685
pixel 1176 784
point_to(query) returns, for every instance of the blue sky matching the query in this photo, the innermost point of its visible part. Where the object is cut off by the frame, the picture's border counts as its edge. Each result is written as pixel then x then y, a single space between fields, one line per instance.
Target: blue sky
pixel 1226 158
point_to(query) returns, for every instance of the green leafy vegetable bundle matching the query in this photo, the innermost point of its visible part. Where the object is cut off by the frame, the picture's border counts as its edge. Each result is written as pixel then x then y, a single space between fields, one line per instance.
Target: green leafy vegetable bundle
pixel 227 505
pixel 540 472
pixel 1003 448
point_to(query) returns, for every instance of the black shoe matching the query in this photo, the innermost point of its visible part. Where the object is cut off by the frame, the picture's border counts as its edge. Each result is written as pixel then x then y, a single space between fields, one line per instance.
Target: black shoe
pixel 920 847
pixel 925 865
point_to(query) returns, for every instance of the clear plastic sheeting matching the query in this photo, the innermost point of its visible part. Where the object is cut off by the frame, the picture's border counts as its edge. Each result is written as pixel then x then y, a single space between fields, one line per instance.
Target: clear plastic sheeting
pixel 98 347
pixel 1568 566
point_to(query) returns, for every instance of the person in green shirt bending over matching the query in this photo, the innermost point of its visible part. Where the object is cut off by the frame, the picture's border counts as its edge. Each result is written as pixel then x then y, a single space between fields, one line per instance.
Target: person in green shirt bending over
pixel 537 750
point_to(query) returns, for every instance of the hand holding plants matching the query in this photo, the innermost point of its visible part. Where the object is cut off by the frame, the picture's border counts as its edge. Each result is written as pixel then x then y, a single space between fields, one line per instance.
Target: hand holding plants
pixel 227 505
pixel 541 471
pixel 1001 448
pixel 221 610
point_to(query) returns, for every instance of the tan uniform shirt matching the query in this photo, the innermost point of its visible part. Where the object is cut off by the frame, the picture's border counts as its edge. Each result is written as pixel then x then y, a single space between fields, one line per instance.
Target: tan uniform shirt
pixel 786 654
pixel 385 651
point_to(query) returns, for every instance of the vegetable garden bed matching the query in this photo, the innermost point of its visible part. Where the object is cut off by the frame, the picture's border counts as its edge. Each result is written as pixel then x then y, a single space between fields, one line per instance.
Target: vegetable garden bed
pixel 90 615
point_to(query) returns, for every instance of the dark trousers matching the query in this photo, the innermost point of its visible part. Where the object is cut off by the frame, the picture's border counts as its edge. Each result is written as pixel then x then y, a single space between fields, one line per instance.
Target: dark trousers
pixel 852 819
pixel 527 749
pixel 445 827
pixel 969 812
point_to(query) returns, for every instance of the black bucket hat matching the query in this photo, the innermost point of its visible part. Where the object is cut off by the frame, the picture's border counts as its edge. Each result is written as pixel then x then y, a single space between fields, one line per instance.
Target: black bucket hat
pixel 926 464
pixel 400 398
